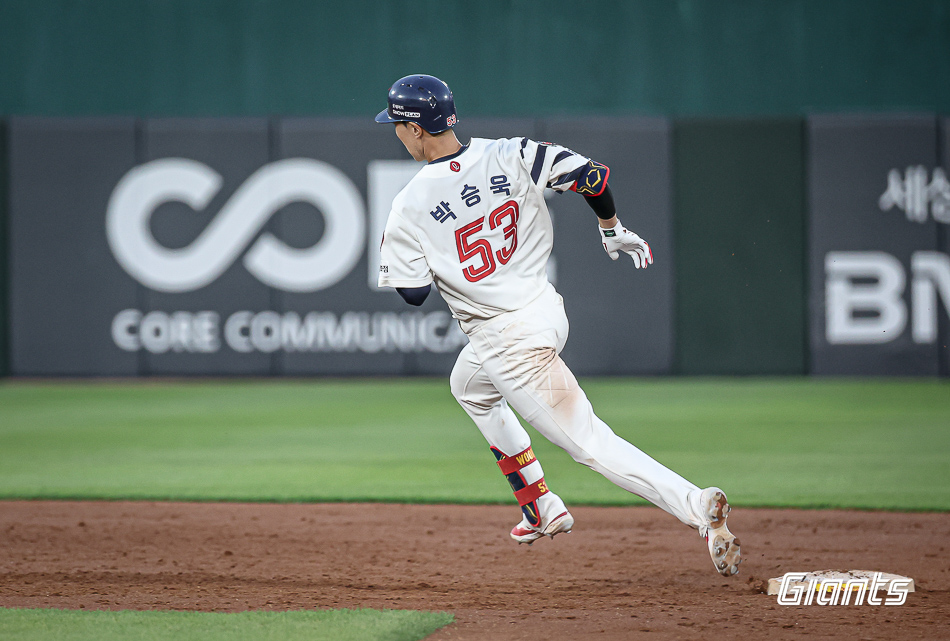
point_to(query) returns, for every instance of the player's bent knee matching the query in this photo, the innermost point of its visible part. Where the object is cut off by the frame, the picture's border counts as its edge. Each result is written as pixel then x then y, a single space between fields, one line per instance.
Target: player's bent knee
pixel 458 381
pixel 583 458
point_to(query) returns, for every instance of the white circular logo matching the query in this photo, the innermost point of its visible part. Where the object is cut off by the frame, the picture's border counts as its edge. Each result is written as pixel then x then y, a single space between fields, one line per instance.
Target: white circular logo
pixel 140 192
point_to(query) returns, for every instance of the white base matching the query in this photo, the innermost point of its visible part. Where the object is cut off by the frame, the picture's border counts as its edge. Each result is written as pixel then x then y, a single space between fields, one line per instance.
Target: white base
pixel 829 575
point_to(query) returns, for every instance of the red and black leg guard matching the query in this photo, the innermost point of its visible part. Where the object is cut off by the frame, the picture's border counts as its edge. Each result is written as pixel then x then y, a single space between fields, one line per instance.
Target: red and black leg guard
pixel 526 495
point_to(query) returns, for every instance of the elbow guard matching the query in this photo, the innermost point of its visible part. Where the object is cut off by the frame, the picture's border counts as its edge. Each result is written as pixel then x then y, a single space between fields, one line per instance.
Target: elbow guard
pixel 592 179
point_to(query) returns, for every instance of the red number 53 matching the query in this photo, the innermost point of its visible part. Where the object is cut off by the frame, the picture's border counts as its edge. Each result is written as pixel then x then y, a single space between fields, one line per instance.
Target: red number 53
pixel 481 249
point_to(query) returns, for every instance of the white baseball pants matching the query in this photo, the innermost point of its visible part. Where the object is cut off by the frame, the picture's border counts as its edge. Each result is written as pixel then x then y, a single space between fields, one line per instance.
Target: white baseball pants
pixel 513 359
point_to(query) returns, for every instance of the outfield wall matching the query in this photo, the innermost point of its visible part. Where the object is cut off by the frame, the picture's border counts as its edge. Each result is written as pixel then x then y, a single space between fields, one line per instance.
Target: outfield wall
pixel 740 224
pixel 877 201
pixel 248 247
pixel 943 236
pixel 501 57
pixel 4 173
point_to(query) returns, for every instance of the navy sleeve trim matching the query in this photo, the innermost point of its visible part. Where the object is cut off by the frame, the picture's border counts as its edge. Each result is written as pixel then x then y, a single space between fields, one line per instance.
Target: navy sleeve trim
pixel 538 163
pixel 571 177
pixel 414 295
pixel 562 156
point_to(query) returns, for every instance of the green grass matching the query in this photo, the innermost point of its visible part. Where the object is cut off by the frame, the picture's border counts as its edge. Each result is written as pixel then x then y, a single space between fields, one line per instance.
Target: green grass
pixel 318 625
pixel 798 442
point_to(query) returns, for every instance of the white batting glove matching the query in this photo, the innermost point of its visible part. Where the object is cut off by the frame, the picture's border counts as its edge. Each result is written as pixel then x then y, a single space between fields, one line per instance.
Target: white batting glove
pixel 620 239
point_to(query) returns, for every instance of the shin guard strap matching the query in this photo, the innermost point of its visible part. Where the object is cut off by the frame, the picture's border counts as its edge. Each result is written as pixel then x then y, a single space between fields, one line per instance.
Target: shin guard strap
pixel 531 492
pixel 511 464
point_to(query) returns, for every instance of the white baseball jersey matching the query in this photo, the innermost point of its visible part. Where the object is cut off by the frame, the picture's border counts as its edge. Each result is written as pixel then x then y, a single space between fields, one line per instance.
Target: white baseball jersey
pixel 475 223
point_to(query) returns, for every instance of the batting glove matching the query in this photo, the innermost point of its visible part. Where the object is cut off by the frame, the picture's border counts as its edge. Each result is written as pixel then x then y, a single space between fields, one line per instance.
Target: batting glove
pixel 619 239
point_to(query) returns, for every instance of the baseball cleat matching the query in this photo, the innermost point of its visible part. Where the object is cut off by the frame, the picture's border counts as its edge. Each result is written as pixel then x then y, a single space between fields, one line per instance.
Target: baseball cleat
pixel 555 519
pixel 525 533
pixel 723 544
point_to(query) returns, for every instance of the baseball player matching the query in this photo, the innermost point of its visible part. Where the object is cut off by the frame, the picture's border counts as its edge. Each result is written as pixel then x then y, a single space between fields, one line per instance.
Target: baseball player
pixel 474 223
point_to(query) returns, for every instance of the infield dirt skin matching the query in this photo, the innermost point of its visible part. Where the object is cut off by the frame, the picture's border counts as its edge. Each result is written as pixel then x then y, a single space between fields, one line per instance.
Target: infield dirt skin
pixel 623 573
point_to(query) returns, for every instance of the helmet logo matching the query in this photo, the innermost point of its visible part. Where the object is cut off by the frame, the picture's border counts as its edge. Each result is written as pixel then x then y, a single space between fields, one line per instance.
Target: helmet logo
pixel 454 166
pixel 424 100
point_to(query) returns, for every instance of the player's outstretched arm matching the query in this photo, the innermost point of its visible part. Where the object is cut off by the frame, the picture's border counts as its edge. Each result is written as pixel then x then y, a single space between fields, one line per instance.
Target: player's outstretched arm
pixel 615 237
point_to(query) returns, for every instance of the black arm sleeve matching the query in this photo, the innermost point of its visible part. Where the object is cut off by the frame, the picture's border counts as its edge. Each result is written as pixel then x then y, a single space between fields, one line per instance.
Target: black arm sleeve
pixel 603 205
pixel 414 295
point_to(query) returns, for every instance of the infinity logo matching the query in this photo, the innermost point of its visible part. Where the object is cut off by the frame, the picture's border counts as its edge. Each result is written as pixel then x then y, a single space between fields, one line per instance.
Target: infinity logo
pixel 143 189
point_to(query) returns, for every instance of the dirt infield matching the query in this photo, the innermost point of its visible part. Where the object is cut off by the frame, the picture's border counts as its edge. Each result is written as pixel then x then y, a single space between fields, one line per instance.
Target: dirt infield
pixel 623 573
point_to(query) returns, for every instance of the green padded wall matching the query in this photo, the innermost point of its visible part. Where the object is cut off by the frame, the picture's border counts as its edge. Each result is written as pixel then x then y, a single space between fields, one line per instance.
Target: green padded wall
pixel 501 57
pixel 4 254
pixel 739 216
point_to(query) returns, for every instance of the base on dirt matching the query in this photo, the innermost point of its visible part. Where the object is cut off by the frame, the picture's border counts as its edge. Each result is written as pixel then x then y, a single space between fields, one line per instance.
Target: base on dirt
pixel 819 579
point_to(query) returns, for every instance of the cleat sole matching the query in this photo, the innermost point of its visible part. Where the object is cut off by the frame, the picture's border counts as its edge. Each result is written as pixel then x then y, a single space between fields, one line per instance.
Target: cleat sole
pixel 724 548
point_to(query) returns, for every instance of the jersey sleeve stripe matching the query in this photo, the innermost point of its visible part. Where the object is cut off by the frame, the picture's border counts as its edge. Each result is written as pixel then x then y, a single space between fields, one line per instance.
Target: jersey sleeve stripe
pixel 538 164
pixel 571 177
pixel 562 156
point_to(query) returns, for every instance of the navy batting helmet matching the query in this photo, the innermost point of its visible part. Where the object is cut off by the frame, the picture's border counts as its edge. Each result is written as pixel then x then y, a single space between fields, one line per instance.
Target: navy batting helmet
pixel 424 100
